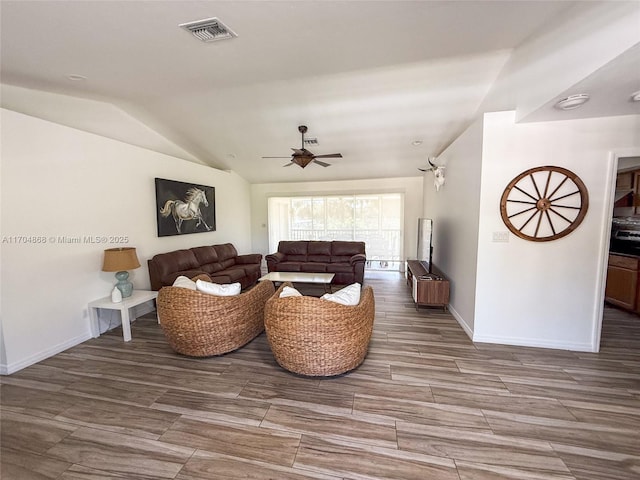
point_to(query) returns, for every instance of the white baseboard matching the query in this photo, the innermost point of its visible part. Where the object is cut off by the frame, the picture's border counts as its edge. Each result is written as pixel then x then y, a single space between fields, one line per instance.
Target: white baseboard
pixel 467 329
pixel 5 369
pixel 44 354
pixel 535 342
pixel 521 342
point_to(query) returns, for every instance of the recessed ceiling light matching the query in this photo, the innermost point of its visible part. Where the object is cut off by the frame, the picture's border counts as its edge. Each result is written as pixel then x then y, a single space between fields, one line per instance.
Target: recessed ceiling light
pixel 415 143
pixel 75 77
pixel 635 96
pixel 572 101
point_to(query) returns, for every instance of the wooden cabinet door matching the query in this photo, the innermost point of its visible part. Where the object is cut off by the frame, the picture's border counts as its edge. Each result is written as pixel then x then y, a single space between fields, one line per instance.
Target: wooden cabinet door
pixel 621 287
pixel 625 181
pixel 433 292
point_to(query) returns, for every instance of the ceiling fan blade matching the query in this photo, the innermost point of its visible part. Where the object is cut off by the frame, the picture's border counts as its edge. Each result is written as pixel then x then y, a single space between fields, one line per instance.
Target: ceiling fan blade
pixel 323 164
pixel 288 164
pixel 276 157
pixel 329 155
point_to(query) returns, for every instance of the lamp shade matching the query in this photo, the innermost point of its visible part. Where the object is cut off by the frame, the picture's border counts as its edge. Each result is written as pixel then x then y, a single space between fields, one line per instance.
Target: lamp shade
pixel 120 259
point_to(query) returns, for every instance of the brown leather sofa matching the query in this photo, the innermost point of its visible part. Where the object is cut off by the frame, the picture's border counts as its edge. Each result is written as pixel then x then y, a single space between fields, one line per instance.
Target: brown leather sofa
pixel 220 262
pixel 345 259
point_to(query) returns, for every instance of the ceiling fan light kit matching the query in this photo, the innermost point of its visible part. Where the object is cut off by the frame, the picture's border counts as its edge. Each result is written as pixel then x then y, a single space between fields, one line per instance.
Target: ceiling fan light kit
pixel 303 157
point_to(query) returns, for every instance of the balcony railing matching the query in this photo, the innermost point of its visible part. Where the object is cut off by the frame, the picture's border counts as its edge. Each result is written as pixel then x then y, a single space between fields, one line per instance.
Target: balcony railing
pixel 384 247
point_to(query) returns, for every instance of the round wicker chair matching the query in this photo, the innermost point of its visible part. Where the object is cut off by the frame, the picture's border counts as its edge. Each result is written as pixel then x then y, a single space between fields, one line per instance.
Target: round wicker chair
pixel 316 337
pixel 201 325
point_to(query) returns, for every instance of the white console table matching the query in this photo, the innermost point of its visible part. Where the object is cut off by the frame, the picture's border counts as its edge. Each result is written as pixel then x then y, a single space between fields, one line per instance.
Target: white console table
pixel 138 297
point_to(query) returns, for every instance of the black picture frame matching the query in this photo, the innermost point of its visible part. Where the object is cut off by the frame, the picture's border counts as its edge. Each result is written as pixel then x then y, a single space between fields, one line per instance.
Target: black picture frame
pixel 183 208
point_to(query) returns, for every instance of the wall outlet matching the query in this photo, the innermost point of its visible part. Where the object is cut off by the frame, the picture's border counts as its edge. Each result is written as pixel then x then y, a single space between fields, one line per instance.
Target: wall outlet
pixel 500 237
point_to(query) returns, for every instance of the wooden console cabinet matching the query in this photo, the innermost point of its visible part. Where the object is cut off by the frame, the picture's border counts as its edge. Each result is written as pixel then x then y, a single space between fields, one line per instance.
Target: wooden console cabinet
pixel 427 289
pixel 622 282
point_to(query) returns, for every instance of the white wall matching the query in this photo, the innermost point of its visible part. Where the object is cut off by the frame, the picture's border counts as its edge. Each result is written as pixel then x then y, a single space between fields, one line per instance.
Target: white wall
pixel 410 186
pixel 58 181
pixel 546 294
pixel 454 210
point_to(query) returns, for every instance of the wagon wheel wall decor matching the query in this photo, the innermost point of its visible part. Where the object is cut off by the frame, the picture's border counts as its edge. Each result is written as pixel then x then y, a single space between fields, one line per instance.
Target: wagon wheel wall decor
pixel 544 203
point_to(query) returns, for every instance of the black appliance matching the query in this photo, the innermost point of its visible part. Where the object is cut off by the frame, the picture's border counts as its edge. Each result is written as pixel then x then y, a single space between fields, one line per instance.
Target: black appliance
pixel 625 241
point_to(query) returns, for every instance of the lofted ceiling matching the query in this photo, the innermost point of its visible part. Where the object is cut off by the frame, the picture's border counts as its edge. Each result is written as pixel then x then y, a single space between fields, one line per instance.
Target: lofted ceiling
pixel 368 78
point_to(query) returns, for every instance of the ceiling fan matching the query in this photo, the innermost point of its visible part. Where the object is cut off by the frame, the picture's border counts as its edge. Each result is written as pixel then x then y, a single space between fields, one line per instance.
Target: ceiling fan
pixel 303 157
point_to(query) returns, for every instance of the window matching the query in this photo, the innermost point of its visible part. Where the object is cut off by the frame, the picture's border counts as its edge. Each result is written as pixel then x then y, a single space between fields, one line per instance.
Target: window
pixel 375 219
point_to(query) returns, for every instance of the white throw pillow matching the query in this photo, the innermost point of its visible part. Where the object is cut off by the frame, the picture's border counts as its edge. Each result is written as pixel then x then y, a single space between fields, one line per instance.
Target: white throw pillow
pixel 289 292
pixel 349 295
pixel 226 290
pixel 184 282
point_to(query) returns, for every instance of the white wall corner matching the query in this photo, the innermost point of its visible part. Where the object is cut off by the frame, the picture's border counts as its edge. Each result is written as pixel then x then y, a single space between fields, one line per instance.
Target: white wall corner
pixel 465 326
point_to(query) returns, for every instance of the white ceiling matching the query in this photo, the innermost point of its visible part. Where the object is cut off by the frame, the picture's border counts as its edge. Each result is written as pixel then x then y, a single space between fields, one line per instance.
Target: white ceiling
pixel 367 77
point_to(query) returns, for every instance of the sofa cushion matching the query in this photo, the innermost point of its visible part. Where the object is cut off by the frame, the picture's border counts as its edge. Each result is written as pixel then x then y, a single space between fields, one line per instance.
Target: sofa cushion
pixel 212 268
pixel 342 251
pixel 251 270
pixel 226 253
pixel 319 252
pixel 339 268
pixel 235 274
pixel 289 266
pixel 295 251
pixel 319 258
pixel 313 267
pixel 220 278
pixel 176 261
pixel 319 248
pixel 205 255
pixel 343 248
pixel 293 247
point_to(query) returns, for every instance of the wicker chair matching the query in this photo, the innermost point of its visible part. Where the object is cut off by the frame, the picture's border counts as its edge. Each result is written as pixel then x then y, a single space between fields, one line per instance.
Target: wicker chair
pixel 316 337
pixel 201 325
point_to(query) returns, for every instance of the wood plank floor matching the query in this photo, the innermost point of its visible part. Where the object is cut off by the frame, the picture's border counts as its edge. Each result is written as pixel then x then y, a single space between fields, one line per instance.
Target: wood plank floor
pixel 426 404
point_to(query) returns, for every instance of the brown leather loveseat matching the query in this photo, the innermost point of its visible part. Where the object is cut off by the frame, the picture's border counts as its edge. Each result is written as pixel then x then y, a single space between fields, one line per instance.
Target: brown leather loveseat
pixel 345 259
pixel 220 262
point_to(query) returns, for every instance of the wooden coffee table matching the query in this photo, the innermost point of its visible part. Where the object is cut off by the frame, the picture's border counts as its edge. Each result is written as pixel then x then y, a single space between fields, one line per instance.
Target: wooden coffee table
pixel 301 277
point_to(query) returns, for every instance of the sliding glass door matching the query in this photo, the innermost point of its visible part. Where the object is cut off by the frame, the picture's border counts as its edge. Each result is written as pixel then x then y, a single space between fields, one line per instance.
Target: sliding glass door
pixel 375 219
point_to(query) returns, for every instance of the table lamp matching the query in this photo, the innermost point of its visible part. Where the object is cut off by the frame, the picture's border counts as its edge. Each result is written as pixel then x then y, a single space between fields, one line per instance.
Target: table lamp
pixel 120 260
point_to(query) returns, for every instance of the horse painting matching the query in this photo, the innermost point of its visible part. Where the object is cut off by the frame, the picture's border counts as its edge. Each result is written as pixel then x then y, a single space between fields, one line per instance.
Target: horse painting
pixel 187 210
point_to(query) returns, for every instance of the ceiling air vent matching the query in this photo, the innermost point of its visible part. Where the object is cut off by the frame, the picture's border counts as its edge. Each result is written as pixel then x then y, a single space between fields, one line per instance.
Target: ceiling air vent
pixel 311 141
pixel 209 30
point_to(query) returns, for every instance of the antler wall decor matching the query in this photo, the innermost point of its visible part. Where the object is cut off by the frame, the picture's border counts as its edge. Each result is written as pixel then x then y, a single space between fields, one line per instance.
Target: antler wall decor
pixel 438 173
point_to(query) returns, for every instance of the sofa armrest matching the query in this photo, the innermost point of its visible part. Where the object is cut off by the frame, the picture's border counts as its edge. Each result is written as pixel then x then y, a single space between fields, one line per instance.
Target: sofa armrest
pixel 249 258
pixel 276 257
pixel 360 257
